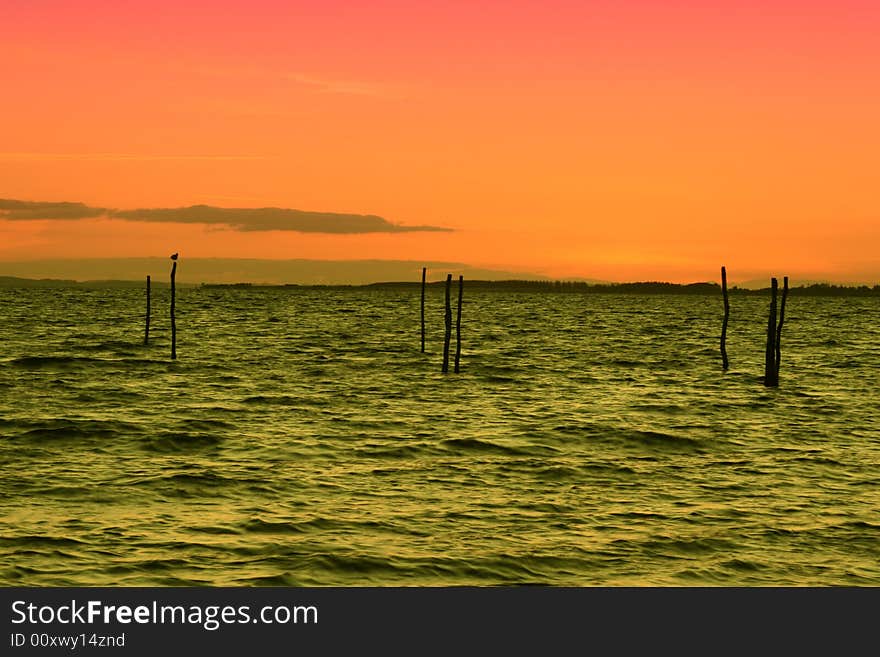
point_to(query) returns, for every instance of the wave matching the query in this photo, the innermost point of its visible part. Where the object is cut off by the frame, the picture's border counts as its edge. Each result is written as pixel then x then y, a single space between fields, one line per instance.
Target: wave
pixel 58 362
pixel 181 441
pixel 63 363
pixel 34 541
pixel 658 440
pixel 72 429
pixel 477 446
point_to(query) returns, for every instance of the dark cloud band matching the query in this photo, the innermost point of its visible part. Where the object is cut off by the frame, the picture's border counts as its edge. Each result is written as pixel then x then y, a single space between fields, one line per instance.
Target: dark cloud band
pixel 241 219
pixel 35 210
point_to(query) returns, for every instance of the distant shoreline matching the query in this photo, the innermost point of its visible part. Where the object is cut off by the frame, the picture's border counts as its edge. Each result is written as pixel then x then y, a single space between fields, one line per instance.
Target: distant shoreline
pixel 576 287
pixel 528 286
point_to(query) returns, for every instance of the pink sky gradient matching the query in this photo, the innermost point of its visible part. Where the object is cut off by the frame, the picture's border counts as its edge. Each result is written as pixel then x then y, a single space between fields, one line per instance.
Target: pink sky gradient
pixel 617 140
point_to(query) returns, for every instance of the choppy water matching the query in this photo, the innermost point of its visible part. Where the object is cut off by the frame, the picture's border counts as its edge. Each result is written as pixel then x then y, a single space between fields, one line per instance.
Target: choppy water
pixel 302 439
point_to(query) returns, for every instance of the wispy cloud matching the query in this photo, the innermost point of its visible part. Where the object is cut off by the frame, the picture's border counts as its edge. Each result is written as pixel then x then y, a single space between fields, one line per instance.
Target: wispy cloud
pixel 328 86
pixel 251 219
pixel 35 210
pixel 240 219
pixel 125 156
pixel 316 84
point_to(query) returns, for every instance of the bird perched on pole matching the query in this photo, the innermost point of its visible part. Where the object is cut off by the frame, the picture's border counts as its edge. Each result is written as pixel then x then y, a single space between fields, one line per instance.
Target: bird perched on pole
pixel 174 256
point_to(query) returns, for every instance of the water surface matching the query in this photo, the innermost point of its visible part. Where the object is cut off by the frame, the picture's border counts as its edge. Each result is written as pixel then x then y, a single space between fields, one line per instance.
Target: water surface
pixel 301 438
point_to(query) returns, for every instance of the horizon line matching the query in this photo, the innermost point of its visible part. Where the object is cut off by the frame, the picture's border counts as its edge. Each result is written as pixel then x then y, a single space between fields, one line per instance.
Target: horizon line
pixel 548 282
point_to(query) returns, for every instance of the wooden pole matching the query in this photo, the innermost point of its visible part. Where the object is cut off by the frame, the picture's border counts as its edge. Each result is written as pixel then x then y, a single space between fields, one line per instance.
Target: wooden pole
pixel 724 362
pixel 458 325
pixel 173 324
pixel 147 330
pixel 779 327
pixel 424 272
pixel 770 352
pixel 448 333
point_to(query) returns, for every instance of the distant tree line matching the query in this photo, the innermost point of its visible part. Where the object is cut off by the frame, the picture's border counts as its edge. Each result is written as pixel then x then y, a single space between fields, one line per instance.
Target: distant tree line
pixel 583 287
pixel 649 287
pixel 542 287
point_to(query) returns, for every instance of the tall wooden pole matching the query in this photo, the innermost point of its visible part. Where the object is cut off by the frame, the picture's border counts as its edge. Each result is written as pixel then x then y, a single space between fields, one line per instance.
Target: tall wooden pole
pixel 724 361
pixel 448 333
pixel 173 324
pixel 779 327
pixel 770 352
pixel 147 330
pixel 458 325
pixel 424 272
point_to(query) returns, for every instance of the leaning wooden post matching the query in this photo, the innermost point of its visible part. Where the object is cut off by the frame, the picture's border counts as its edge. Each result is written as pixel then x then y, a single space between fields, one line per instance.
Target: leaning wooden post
pixel 147 330
pixel 173 324
pixel 424 271
pixel 770 352
pixel 779 327
pixel 458 325
pixel 724 361
pixel 448 334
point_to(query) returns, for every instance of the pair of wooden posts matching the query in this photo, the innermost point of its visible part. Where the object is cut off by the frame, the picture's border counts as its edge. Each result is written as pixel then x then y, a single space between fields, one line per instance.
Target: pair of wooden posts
pixel 772 355
pixel 772 352
pixel 173 322
pixel 448 322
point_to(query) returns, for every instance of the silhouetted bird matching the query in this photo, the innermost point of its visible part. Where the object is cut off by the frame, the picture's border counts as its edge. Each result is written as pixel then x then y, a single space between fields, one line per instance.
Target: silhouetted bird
pixel 174 257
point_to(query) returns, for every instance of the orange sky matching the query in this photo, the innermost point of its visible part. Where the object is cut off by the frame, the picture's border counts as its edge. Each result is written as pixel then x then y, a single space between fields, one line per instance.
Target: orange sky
pixel 622 140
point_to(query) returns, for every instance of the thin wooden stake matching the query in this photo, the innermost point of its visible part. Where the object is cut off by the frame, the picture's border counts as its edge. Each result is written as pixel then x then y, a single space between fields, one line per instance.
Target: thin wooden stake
pixel 724 362
pixel 458 325
pixel 770 352
pixel 173 324
pixel 448 334
pixel 147 330
pixel 424 272
pixel 779 327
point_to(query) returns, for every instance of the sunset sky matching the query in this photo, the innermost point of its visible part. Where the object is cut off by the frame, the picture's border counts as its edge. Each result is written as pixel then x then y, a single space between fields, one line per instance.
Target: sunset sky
pixel 613 139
